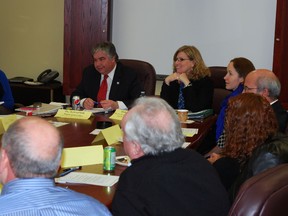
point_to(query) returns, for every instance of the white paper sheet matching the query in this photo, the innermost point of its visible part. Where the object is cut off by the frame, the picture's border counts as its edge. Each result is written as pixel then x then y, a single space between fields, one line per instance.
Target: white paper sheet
pixel 95 131
pixel 88 178
pixel 95 110
pixel 58 124
pixel 189 132
pixel 186 144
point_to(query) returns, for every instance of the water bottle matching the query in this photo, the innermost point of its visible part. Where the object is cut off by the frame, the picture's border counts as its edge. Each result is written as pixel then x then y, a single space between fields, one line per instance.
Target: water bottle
pixel 142 94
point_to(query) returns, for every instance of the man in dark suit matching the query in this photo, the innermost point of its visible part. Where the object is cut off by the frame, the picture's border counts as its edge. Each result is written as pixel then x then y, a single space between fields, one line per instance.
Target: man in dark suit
pixel 266 83
pixel 164 179
pixel 123 86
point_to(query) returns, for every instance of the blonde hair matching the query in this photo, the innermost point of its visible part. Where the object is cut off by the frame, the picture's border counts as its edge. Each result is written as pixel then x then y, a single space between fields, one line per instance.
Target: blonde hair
pixel 200 70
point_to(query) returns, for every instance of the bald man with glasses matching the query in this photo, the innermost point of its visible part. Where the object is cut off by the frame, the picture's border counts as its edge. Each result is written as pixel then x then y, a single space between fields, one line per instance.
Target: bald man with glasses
pixel 266 83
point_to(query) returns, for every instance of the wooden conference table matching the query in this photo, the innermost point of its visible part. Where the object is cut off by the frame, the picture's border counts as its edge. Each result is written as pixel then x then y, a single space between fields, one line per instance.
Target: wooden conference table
pixel 77 133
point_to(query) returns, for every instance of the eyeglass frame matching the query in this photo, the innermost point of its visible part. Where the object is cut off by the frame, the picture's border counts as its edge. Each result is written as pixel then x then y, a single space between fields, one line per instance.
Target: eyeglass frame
pixel 246 88
pixel 181 59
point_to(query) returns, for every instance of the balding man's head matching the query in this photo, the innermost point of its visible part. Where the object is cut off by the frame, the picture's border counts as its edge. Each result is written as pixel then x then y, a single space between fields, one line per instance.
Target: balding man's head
pixel 263 82
pixel 34 148
pixel 154 125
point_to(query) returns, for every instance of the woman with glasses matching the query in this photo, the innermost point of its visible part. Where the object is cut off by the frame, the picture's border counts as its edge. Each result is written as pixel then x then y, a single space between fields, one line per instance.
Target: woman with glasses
pixel 189 86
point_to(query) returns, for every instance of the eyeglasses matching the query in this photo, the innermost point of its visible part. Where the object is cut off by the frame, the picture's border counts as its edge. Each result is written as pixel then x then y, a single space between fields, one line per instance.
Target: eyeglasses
pixel 181 59
pixel 246 88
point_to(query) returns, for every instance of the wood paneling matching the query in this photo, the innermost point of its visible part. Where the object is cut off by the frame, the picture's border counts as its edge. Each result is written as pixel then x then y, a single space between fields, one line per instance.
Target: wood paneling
pixel 280 61
pixel 86 23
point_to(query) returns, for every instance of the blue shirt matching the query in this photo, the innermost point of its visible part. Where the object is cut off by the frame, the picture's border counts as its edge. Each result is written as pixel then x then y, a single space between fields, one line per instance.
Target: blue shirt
pixel 7 93
pixel 224 104
pixel 40 196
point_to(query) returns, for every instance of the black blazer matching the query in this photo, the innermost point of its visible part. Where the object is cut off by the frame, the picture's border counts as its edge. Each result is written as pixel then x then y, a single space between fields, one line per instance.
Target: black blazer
pixel 281 115
pixel 270 154
pixel 125 85
pixel 197 97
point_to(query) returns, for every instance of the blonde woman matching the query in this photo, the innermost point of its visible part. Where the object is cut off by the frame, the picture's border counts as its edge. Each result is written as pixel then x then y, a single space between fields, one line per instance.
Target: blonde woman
pixel 189 86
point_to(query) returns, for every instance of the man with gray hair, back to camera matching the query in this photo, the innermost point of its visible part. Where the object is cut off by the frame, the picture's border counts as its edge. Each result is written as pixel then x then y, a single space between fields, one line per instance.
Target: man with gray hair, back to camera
pixel 29 160
pixel 164 179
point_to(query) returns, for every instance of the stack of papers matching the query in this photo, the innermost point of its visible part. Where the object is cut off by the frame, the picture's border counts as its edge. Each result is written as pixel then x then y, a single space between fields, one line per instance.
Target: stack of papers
pixel 88 178
pixel 45 109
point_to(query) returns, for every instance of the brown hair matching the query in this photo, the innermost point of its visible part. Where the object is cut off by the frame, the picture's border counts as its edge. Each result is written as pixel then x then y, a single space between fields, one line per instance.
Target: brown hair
pixel 200 70
pixel 243 66
pixel 249 121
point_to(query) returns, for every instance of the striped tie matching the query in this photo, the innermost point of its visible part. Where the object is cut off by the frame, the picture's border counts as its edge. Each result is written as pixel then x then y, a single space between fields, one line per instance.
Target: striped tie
pixel 181 103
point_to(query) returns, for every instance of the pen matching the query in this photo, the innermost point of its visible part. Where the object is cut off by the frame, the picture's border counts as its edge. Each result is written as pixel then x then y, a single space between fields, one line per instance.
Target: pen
pixel 69 170
pixel 95 103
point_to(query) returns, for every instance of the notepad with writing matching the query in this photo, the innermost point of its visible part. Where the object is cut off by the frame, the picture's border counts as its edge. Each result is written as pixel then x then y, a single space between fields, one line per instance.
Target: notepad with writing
pixel 88 178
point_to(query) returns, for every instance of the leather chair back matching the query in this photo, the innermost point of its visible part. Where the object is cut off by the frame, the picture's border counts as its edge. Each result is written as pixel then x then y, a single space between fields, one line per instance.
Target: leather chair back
pixel 146 74
pixel 264 194
pixel 220 92
pixel 286 130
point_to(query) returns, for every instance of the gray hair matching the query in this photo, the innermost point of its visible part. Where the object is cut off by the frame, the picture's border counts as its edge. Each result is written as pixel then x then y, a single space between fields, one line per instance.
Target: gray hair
pixel 154 125
pixel 271 83
pixel 25 164
pixel 106 47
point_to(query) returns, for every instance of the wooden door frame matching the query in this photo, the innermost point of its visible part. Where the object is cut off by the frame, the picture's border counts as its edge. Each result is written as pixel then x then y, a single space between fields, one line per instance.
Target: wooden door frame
pixel 280 59
pixel 86 23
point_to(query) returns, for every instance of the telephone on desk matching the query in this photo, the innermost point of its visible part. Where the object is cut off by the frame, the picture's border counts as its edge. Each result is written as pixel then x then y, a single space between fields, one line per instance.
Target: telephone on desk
pixel 45 77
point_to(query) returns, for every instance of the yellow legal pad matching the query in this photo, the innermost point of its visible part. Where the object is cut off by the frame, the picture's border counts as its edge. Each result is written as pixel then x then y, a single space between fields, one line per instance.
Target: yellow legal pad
pixel 81 156
pixel 6 121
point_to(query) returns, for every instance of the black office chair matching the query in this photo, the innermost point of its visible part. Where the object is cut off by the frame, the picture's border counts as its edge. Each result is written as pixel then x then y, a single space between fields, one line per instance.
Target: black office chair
pixel 146 74
pixel 220 92
pixel 286 130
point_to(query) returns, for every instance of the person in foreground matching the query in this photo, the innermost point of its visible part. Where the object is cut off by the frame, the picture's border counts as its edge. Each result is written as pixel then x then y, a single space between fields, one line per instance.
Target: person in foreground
pixel 272 153
pixel 249 122
pixel 107 82
pixel 5 95
pixel 164 179
pixel 266 83
pixel 30 157
pixel 189 86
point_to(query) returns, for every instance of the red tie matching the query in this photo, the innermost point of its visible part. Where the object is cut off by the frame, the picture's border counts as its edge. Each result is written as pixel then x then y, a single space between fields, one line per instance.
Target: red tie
pixel 103 89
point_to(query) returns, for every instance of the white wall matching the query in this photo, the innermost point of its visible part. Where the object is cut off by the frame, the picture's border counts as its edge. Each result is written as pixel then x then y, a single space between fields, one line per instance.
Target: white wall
pixel 152 30
pixel 31 38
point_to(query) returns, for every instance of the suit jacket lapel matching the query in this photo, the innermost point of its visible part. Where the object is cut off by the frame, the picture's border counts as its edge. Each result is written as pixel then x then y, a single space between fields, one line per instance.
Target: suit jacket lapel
pixel 114 91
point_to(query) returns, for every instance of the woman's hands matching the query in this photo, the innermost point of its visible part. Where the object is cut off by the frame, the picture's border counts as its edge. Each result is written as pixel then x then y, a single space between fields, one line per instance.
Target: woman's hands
pixel 181 77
